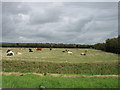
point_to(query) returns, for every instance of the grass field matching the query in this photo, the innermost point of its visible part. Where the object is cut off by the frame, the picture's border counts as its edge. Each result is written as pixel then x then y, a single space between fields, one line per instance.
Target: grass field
pixel 33 81
pixel 57 56
pixel 96 62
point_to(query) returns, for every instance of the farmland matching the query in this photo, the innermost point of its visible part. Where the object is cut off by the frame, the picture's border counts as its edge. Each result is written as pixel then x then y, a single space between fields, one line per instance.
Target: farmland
pixel 57 56
pixel 96 62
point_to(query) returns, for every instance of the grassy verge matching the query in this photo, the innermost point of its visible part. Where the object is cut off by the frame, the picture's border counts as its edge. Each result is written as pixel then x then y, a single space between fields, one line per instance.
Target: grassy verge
pixel 33 81
pixel 66 68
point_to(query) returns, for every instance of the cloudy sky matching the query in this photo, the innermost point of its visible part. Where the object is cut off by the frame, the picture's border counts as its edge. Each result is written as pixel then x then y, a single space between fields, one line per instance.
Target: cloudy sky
pixel 60 22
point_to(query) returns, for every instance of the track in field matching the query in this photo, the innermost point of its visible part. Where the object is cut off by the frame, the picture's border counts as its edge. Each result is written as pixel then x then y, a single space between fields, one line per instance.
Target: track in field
pixel 56 75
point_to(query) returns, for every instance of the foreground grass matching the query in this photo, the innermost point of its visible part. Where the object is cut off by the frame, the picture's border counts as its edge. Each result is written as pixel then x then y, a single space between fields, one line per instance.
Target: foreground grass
pixel 33 81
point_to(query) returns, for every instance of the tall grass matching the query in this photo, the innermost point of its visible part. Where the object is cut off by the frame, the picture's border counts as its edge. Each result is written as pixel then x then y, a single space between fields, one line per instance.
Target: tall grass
pixel 67 68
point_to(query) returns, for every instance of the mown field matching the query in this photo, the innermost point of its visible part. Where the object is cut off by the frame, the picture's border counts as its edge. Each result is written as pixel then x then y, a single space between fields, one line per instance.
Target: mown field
pixel 57 56
pixel 96 62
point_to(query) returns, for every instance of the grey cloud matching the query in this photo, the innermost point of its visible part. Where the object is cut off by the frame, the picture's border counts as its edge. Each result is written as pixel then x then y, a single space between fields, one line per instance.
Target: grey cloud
pixel 14 8
pixel 85 23
pixel 93 5
pixel 0 22
pixel 44 15
pixel 119 18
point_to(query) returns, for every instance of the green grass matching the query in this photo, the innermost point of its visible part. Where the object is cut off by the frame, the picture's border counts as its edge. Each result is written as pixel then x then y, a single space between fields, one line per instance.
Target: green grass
pixel 57 56
pixel 55 61
pixel 33 81
pixel 96 62
pixel 67 68
pixel 0 81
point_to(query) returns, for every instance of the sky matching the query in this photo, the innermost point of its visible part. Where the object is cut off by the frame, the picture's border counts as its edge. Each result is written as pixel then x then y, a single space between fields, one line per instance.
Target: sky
pixel 59 22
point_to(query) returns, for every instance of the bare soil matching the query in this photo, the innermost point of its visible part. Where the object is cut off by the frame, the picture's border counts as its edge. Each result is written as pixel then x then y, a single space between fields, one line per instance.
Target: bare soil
pixel 54 75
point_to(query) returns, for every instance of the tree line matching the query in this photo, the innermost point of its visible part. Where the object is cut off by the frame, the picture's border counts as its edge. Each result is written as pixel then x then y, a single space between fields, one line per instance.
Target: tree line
pixel 45 45
pixel 111 45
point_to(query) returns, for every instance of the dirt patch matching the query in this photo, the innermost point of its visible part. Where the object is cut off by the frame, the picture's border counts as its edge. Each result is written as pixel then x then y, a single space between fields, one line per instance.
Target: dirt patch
pixel 106 75
pixel 55 75
pixel 38 74
pixel 13 73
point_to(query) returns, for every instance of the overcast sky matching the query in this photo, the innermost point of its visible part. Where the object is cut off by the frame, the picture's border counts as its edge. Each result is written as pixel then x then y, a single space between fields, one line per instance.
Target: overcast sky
pixel 50 22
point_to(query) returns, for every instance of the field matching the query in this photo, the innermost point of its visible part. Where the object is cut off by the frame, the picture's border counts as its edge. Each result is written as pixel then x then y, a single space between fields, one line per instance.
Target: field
pixel 48 62
pixel 58 82
pixel 57 56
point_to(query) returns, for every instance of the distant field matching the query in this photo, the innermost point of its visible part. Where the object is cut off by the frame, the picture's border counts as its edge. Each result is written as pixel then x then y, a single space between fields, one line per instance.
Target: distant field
pixel 57 56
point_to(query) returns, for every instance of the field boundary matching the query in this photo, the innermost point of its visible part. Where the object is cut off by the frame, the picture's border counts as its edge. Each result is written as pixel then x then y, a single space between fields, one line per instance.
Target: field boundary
pixel 54 75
